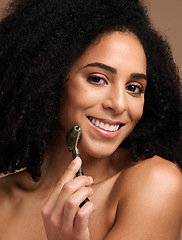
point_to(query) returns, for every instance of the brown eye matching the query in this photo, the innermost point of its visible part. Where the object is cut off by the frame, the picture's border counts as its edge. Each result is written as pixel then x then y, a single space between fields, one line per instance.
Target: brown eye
pixel 136 89
pixel 97 80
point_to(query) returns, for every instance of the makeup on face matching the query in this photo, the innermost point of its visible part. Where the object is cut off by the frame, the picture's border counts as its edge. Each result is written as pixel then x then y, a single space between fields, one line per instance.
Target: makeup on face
pixel 104 95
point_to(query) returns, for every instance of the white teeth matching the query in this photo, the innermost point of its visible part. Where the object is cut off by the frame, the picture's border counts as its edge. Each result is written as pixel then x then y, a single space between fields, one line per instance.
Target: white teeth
pixel 117 127
pixel 111 128
pixel 107 127
pixel 97 123
pixel 93 121
pixel 101 125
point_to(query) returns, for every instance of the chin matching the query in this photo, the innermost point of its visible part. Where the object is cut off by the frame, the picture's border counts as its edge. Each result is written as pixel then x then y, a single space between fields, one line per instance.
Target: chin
pixel 98 151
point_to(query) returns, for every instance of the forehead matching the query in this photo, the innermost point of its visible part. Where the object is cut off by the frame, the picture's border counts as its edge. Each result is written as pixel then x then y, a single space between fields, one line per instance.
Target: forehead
pixel 115 48
pixel 116 41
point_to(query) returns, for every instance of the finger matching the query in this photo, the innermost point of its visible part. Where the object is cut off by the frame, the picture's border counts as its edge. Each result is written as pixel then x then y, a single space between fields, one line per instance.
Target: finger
pixel 71 187
pixel 70 172
pixel 72 205
pixel 82 216
pixel 67 176
pixel 54 208
pixel 66 192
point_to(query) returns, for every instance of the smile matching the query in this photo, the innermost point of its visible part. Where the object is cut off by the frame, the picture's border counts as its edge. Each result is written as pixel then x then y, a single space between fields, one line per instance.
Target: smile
pixel 104 125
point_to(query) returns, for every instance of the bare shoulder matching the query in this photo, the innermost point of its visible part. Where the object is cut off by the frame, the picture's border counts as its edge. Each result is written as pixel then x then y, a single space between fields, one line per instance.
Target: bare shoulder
pixel 5 190
pixel 8 185
pixel 157 173
pixel 5 203
pixel 4 184
pixel 149 201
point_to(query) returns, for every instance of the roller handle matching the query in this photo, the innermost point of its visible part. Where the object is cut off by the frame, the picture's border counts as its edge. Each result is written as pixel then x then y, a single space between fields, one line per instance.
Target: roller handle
pixel 80 173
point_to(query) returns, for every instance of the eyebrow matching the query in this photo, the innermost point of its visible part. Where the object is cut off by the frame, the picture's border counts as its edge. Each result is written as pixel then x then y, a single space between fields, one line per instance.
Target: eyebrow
pixel 139 76
pixel 103 66
pixel 113 70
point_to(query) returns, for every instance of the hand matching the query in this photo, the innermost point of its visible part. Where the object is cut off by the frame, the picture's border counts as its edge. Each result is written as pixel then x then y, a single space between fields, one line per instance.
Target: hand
pixel 62 216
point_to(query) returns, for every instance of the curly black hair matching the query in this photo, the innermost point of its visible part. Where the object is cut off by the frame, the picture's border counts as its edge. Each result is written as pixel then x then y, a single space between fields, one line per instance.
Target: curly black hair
pixel 39 42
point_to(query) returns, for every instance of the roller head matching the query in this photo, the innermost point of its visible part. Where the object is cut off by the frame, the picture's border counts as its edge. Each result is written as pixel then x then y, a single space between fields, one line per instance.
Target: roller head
pixel 73 137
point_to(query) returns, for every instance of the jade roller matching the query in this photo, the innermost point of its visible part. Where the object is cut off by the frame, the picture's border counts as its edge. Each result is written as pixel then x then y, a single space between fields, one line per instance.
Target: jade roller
pixel 72 139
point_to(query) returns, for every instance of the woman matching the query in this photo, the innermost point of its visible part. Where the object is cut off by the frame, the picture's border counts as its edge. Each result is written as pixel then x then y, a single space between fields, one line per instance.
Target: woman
pixel 100 65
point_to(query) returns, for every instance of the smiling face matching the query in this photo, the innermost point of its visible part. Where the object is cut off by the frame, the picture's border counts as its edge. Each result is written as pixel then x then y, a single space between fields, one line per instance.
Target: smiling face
pixel 105 93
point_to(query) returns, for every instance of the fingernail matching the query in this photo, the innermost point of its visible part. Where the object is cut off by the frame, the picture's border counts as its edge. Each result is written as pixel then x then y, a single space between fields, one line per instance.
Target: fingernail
pixel 91 179
pixel 76 160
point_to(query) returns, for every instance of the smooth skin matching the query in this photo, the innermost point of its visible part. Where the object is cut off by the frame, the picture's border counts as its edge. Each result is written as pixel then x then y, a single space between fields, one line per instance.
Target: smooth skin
pixel 128 201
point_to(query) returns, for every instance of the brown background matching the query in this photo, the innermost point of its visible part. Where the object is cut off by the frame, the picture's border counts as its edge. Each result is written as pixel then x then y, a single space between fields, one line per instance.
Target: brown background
pixel 167 17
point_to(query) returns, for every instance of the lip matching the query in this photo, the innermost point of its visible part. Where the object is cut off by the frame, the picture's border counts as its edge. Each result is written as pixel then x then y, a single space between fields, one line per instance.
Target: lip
pixel 106 121
pixel 105 133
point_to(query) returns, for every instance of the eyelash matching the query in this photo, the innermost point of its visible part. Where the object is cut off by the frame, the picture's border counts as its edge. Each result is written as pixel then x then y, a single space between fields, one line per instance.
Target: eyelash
pixel 134 86
pixel 131 88
pixel 96 79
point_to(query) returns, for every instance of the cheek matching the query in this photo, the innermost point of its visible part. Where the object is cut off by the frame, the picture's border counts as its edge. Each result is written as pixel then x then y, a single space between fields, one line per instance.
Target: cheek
pixel 73 104
pixel 79 100
pixel 136 111
pixel 83 97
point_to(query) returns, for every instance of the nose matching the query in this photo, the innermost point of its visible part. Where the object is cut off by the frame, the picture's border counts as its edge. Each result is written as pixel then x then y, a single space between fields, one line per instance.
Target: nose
pixel 116 100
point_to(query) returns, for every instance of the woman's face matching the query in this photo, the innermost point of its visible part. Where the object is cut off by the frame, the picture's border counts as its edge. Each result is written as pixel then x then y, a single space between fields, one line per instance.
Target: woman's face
pixel 105 93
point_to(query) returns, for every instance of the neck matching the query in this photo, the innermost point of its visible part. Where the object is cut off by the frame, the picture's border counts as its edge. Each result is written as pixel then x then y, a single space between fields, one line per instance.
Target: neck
pixel 57 159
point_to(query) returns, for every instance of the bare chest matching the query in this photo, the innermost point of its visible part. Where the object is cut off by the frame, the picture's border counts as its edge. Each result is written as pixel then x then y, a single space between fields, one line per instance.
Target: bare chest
pixel 23 220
